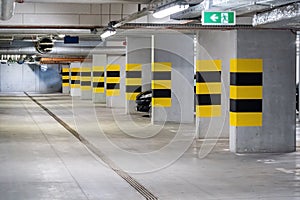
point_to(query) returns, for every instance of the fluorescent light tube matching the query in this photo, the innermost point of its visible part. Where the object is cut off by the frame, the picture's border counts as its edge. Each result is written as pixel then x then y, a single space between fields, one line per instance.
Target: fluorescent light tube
pixel 108 33
pixel 170 10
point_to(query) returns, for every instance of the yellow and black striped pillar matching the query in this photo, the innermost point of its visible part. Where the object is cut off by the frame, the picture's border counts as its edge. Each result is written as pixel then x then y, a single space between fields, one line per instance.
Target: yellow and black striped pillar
pixel 161 84
pixel 133 81
pixel 208 88
pixel 85 79
pixel 75 78
pixel 246 92
pixel 98 79
pixel 65 72
pixel 113 80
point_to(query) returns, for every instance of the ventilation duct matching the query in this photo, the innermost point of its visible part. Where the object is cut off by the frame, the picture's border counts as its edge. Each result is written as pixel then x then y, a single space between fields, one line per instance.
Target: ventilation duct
pixel 7 8
pixel 66 51
pixel 44 45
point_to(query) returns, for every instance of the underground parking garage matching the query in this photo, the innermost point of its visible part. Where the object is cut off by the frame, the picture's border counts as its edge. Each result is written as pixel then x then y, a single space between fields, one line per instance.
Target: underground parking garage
pixel 158 99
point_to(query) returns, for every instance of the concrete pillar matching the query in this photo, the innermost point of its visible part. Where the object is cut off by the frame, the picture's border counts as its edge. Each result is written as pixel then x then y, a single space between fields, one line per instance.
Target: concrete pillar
pixel 115 81
pixel 99 64
pixel 138 72
pixel 173 78
pixel 75 79
pixel 262 105
pixel 214 50
pixel 86 81
pixel 298 69
pixel 65 75
pixel 133 85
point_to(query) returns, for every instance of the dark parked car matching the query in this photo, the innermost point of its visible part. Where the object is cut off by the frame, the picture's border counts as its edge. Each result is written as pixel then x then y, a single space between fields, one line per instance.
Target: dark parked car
pixel 143 102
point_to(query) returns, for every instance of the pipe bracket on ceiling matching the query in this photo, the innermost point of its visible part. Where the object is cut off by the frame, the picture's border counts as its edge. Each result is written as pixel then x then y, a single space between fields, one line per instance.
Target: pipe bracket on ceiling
pixel 288 12
pixel 7 8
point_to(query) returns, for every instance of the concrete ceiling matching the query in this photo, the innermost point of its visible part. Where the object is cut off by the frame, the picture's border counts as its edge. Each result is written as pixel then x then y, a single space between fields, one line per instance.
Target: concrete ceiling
pixel 87 1
pixel 34 19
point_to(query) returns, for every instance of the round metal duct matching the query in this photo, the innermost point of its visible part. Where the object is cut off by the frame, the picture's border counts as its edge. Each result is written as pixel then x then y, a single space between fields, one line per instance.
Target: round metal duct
pixel 44 45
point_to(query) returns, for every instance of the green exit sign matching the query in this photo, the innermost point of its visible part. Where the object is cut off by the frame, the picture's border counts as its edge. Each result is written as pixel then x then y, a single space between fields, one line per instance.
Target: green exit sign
pixel 218 18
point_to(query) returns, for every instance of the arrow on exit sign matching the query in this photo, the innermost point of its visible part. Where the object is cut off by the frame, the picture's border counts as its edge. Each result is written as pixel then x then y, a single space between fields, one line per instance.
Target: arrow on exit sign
pixel 218 18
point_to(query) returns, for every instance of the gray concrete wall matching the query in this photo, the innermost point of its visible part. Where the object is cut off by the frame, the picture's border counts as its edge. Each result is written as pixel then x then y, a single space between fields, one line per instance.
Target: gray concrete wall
pixel 178 49
pixel 29 78
pixel 118 101
pixel 139 51
pixel 277 49
pixel 217 45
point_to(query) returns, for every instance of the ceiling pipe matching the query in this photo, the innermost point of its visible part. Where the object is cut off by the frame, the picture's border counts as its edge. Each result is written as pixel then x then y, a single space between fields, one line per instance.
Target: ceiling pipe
pixel 7 8
pixel 65 51
pixel 33 31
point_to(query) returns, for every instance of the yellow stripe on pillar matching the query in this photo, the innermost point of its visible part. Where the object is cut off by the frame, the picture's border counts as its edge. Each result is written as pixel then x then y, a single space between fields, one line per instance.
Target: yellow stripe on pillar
pixel 133 67
pixel 161 102
pixel 208 65
pixel 208 88
pixel 133 81
pixel 246 92
pixel 246 65
pixel 161 84
pixel 161 66
pixel 208 111
pixel 246 119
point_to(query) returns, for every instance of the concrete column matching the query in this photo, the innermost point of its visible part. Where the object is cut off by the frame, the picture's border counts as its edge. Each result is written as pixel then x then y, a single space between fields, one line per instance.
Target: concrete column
pixel 265 63
pixel 86 81
pixel 138 76
pixel 115 81
pixel 298 69
pixel 173 78
pixel 99 64
pixel 65 75
pixel 214 50
pixel 75 79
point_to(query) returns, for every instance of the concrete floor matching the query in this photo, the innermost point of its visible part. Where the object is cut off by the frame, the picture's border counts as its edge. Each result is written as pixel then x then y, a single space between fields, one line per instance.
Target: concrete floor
pixel 40 159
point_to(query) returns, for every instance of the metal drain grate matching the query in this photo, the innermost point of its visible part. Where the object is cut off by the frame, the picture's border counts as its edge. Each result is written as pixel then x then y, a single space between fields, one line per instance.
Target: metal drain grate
pixel 130 180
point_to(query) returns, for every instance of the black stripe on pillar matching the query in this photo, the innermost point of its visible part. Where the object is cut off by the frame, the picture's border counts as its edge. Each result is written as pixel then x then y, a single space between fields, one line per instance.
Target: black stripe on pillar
pixel 203 77
pixel 75 82
pixel 112 86
pixel 161 93
pixel 98 84
pixel 161 75
pixel 246 105
pixel 208 99
pixel 85 83
pixel 65 73
pixel 113 74
pixel 133 74
pixel 65 80
pixel 75 73
pixel 85 74
pixel 246 79
pixel 133 88
pixel 98 74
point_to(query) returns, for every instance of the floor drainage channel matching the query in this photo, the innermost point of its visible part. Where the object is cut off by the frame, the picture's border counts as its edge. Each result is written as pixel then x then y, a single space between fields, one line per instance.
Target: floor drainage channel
pixel 135 184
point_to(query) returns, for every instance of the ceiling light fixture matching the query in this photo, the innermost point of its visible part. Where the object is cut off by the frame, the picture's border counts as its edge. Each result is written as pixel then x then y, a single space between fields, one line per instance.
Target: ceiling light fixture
pixel 108 32
pixel 170 9
pixel 61 35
